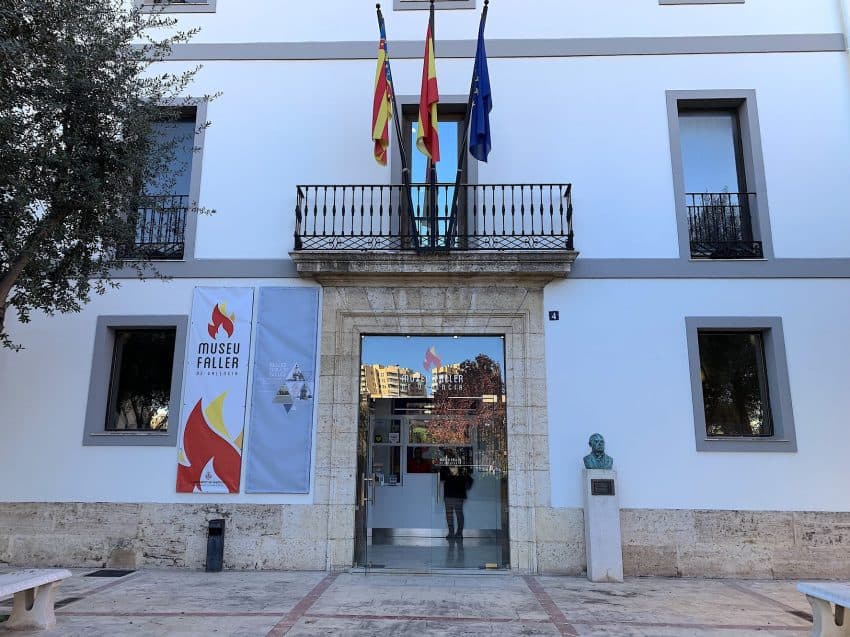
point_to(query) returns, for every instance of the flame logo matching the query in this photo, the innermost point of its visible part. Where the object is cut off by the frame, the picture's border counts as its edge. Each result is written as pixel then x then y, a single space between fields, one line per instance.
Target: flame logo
pixel 207 446
pixel 431 359
pixel 220 319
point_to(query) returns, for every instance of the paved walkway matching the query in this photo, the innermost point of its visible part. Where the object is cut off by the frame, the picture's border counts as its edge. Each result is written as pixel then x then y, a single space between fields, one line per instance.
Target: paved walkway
pixel 180 602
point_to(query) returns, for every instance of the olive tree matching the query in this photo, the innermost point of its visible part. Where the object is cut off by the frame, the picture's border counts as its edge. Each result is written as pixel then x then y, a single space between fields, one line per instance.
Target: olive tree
pixel 81 98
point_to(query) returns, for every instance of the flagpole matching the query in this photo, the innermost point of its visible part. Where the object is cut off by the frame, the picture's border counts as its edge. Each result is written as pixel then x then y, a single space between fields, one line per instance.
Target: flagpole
pixel 433 171
pixel 405 170
pixel 461 157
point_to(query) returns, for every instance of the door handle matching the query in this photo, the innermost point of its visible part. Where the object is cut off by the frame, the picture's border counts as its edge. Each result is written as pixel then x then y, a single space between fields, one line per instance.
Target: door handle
pixel 365 498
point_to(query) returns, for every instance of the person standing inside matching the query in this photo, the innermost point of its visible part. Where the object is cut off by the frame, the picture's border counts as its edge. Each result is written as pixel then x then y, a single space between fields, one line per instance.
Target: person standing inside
pixel 456 481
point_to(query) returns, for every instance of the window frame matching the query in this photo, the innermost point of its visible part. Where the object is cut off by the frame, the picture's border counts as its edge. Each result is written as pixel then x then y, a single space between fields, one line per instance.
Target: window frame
pixel 196 6
pixel 778 384
pixel 451 107
pixel 95 432
pixel 743 103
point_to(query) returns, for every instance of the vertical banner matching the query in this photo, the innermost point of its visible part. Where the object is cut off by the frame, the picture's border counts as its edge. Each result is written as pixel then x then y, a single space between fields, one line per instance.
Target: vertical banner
pixel 209 447
pixel 279 443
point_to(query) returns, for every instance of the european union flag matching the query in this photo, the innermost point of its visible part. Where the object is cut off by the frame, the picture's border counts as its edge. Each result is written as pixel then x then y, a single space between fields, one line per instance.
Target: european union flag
pixel 482 102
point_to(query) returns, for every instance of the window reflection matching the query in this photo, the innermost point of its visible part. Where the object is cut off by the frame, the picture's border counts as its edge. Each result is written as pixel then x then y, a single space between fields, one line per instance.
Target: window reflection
pixel 140 387
pixel 734 384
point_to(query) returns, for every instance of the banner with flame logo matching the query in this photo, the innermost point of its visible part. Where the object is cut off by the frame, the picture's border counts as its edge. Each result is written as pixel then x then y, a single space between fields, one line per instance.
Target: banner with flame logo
pixel 209 452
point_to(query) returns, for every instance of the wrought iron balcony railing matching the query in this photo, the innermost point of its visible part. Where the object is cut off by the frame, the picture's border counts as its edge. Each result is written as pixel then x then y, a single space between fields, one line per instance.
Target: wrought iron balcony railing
pixel 720 226
pixel 160 229
pixel 381 217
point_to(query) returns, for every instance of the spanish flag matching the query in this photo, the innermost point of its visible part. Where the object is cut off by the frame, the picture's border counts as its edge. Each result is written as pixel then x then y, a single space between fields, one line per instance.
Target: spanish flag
pixel 427 139
pixel 382 105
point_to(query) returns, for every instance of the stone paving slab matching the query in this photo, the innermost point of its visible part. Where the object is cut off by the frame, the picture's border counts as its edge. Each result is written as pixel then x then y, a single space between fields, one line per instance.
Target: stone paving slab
pixel 782 592
pixel 659 601
pixel 418 628
pixel 431 596
pixel 273 604
pixel 682 631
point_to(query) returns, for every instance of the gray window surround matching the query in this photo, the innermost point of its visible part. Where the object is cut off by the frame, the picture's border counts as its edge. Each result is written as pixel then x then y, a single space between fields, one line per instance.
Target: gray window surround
pixel 744 101
pixel 196 6
pixel 94 432
pixel 701 2
pixel 779 386
pixel 413 5
pixel 200 105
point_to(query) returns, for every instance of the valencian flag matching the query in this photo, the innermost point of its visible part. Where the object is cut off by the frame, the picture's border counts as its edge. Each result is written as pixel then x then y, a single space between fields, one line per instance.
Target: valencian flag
pixel 427 139
pixel 382 106
pixel 482 102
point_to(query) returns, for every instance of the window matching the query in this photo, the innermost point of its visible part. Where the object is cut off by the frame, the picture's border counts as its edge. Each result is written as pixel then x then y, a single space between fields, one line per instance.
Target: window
pixel 161 229
pixel 165 227
pixel 718 176
pixel 716 194
pixel 136 378
pixel 451 117
pixel 734 384
pixel 177 6
pixel 140 387
pixel 740 384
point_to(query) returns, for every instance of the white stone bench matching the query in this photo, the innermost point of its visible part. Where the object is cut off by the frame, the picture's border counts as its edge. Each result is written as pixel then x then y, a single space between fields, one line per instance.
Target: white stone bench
pixel 821 595
pixel 35 593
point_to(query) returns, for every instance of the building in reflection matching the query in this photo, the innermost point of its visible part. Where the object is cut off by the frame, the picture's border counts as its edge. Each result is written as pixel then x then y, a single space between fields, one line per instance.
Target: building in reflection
pixel 391 381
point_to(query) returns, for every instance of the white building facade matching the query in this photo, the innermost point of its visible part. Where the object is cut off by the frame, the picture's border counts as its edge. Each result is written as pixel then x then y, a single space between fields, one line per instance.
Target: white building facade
pixel 698 151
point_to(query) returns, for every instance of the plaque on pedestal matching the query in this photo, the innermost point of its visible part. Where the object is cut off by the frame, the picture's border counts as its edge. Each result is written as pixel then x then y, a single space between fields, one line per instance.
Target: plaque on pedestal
pixel 602 526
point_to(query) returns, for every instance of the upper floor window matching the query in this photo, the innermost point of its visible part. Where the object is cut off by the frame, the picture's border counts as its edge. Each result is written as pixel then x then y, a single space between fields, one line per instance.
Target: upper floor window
pixel 717 197
pixel 432 207
pixel 167 199
pixel 718 176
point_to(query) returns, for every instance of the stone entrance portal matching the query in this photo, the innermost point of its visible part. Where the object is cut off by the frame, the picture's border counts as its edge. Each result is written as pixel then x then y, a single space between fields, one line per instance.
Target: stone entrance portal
pixel 458 294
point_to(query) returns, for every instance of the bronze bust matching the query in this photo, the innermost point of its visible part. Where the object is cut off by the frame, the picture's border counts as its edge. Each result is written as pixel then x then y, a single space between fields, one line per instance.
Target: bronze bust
pixel 597 458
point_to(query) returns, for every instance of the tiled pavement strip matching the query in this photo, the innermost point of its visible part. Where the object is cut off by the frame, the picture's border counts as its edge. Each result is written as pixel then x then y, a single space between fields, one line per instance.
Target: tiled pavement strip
pixel 273 604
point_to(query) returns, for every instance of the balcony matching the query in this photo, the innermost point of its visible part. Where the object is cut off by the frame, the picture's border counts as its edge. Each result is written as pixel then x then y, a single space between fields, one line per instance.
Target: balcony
pixel 720 226
pixel 160 229
pixel 489 217
pixel 500 232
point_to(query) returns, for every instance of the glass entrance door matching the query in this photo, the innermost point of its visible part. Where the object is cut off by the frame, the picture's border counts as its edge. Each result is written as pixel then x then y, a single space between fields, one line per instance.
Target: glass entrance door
pixel 433 458
pixel 470 513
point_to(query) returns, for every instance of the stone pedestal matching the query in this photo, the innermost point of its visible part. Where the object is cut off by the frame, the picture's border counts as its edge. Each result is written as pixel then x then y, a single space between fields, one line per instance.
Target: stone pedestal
pixel 602 526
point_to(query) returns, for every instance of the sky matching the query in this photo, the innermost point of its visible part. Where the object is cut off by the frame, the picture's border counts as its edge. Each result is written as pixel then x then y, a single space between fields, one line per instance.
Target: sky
pixel 447 166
